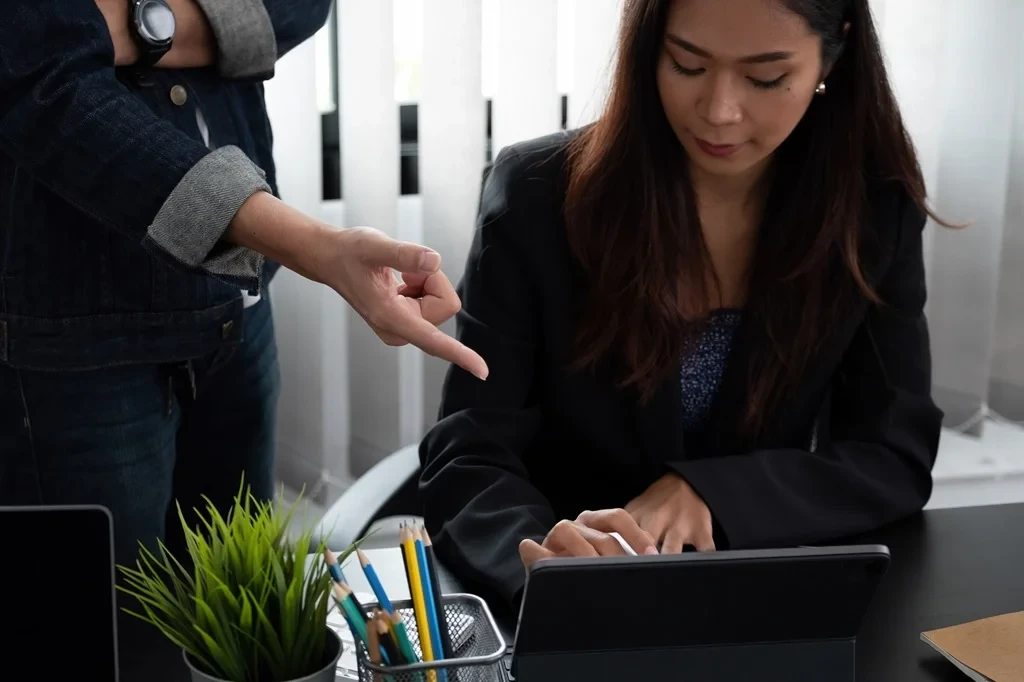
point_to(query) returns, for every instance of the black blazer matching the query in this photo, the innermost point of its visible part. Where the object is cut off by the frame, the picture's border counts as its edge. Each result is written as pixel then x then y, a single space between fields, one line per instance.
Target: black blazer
pixel 535 443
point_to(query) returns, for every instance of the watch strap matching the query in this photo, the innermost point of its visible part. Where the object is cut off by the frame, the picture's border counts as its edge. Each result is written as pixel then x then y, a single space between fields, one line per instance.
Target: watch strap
pixel 149 53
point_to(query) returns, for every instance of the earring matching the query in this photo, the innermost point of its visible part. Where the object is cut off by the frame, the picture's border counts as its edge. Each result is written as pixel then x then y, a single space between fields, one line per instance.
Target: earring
pixel 820 90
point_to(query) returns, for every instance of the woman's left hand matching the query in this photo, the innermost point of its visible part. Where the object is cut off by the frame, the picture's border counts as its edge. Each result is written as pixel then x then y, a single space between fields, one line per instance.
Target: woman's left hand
pixel 674 515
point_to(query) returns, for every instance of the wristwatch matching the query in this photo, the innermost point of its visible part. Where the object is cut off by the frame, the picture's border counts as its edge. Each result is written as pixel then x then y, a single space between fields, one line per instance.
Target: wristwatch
pixel 152 26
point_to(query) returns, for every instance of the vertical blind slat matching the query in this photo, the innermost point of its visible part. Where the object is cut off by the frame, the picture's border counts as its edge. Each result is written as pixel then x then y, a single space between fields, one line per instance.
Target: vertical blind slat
pixel 595 30
pixel 452 130
pixel 526 100
pixel 368 119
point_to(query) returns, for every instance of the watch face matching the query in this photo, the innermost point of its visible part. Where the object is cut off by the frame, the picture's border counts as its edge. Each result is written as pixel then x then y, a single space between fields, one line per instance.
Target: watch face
pixel 155 21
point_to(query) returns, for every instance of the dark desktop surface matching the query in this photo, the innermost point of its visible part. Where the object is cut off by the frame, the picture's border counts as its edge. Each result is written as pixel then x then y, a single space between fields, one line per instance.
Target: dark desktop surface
pixel 948 567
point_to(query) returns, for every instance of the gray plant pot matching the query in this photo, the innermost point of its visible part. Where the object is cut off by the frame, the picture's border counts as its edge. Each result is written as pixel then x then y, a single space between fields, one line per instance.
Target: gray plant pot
pixel 332 653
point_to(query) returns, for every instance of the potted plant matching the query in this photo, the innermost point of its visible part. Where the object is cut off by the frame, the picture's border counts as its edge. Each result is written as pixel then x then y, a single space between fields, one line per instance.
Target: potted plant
pixel 250 607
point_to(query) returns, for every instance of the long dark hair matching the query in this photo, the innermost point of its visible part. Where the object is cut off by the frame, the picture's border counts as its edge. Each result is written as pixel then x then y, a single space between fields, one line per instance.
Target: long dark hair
pixel 632 220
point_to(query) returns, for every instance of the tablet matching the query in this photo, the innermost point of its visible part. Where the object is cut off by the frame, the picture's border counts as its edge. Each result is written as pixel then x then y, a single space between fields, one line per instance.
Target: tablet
pixel 60 600
pixel 697 599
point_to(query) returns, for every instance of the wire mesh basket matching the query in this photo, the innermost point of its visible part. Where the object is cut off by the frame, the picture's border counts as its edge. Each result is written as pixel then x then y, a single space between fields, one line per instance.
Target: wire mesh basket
pixel 477 646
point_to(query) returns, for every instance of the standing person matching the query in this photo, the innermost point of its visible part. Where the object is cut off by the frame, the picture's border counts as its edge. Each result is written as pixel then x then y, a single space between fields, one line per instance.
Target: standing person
pixel 138 233
pixel 704 314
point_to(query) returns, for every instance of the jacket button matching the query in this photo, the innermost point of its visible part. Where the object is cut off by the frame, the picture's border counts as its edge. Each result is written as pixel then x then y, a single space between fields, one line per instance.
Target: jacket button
pixel 225 329
pixel 179 95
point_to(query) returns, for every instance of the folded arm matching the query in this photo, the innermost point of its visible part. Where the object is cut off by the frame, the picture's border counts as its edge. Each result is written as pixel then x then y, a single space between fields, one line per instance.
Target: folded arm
pixel 884 433
pixel 194 44
pixel 478 500
pixel 251 35
pixel 66 120
pixel 243 38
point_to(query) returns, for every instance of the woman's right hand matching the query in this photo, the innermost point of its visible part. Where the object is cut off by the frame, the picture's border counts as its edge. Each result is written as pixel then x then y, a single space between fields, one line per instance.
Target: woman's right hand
pixel 589 535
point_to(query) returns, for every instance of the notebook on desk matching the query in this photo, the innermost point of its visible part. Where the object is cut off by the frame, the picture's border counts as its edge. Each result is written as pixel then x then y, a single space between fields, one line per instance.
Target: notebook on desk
pixel 986 650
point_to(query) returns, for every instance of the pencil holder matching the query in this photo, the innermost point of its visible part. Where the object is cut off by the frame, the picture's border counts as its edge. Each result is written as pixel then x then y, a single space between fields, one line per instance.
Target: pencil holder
pixel 477 646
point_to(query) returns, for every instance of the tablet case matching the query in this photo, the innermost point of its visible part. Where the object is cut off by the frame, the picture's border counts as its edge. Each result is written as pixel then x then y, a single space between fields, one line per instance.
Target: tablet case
pixel 812 661
pixel 766 615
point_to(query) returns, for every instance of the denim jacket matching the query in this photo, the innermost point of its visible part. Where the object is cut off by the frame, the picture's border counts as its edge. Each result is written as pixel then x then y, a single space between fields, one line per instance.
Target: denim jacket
pixel 112 204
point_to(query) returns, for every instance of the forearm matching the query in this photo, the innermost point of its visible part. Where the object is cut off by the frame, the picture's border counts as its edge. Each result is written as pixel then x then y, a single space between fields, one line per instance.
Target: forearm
pixel 477 498
pixel 194 42
pixel 787 497
pixel 271 227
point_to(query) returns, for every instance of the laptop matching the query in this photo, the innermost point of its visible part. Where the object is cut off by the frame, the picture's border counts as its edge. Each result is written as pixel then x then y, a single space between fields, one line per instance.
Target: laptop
pixel 57 591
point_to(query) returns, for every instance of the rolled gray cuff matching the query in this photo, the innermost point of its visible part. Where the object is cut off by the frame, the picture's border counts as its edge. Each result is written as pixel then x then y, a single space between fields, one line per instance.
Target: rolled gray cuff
pixel 190 224
pixel 245 37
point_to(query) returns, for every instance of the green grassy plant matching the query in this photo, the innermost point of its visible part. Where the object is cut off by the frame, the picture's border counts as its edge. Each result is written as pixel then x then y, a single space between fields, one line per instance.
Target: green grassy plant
pixel 250 607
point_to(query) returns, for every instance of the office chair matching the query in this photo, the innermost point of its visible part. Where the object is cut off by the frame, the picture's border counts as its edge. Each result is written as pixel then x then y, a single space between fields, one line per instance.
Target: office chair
pixel 375 504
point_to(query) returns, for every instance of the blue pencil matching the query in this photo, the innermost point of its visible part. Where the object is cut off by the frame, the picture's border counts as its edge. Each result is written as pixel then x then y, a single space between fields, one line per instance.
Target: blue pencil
pixel 371 577
pixel 428 596
pixel 333 567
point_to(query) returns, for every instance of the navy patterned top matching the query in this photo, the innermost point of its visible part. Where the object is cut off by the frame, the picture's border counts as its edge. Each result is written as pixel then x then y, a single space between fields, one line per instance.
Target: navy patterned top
pixel 704 364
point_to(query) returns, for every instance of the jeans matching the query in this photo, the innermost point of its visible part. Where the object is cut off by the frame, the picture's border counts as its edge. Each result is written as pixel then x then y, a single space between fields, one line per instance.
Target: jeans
pixel 138 438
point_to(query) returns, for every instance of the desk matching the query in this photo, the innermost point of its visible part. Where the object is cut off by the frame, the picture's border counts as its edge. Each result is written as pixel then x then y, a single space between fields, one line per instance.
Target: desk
pixel 949 566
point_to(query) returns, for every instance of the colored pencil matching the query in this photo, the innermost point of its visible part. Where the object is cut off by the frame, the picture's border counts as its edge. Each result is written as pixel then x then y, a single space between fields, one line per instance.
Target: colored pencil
pixel 371 577
pixel 442 617
pixel 434 633
pixel 402 636
pixel 382 623
pixel 402 529
pixel 339 577
pixel 333 567
pixel 373 648
pixel 359 607
pixel 348 609
pixel 419 604
pixel 356 619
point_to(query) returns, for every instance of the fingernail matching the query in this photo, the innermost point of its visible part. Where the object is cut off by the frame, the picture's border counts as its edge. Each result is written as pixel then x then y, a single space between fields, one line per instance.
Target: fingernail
pixel 430 261
pixel 651 550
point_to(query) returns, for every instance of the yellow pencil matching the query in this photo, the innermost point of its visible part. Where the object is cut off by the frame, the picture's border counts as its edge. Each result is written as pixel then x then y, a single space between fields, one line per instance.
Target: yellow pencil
pixel 418 603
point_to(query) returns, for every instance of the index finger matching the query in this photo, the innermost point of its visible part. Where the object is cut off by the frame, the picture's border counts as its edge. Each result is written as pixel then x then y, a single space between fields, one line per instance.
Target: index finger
pixel 619 521
pixel 433 341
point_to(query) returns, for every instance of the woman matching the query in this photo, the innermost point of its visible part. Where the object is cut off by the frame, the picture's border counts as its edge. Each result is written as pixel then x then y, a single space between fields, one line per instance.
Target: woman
pixel 703 313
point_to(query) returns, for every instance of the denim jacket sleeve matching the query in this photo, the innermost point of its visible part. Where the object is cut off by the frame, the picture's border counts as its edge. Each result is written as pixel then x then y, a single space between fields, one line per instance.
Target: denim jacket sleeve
pixel 66 120
pixel 253 34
